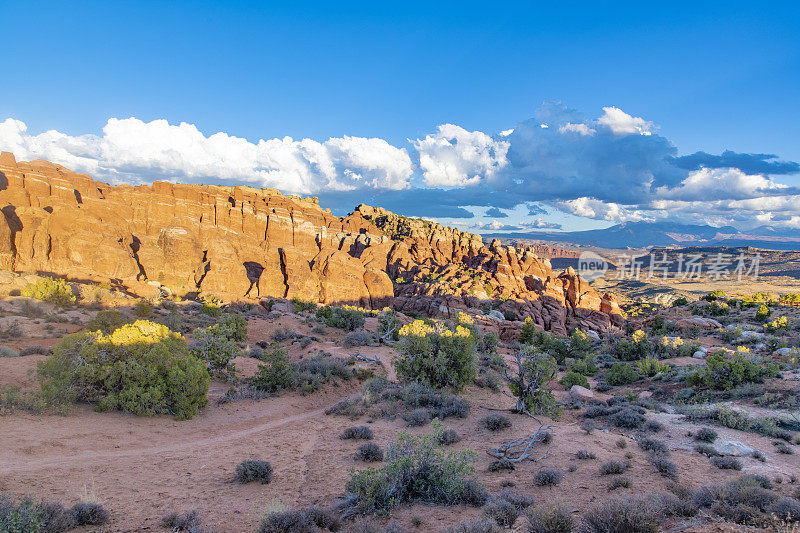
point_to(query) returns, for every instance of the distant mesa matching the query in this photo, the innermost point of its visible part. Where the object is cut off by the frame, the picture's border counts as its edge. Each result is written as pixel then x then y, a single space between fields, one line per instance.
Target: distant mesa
pixel 246 243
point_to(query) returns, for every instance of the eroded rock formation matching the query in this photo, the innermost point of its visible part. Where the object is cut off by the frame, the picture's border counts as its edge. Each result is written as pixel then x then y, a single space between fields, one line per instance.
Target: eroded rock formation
pixel 241 242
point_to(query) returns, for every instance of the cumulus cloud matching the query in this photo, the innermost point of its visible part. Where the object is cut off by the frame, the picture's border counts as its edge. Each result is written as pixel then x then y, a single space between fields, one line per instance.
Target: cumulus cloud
pixel 540 224
pixel 131 150
pixel 621 123
pixel 615 167
pixel 600 210
pixel 454 156
pixel 495 225
pixel 560 163
pixel 720 184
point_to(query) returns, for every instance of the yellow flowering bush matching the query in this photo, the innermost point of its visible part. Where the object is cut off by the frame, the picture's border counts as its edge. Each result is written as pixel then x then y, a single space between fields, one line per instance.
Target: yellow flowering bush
pixel 639 336
pixel 52 290
pixel 464 318
pixel 742 350
pixel 436 355
pixel 779 323
pixel 418 328
pixel 143 368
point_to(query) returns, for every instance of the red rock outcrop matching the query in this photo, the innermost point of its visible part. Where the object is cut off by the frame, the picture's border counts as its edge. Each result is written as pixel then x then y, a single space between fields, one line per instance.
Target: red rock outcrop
pixel 242 242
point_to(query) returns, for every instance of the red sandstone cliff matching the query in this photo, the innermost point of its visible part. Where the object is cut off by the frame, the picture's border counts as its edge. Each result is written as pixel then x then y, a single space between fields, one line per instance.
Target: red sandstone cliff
pixel 241 242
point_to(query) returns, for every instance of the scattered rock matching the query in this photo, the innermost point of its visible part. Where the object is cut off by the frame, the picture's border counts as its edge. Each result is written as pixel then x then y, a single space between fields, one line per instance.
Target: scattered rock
pixel 734 448
pixel 697 321
pixel 581 393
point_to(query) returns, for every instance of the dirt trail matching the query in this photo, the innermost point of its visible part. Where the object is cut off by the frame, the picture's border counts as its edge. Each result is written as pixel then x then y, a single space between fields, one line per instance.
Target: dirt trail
pixel 57 460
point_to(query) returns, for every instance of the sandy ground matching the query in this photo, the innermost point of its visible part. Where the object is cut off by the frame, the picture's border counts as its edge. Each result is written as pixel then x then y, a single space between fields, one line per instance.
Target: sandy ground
pixel 143 468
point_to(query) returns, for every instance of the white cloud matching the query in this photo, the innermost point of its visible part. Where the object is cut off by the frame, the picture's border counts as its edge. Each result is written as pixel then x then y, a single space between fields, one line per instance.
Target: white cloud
pixel 454 156
pixel 540 224
pixel 581 129
pixel 600 210
pixel 718 183
pixel 621 123
pixel 495 225
pixel 130 149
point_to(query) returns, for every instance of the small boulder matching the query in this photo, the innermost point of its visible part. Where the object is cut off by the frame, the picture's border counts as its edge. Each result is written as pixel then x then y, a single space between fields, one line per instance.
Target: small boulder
pixel 734 448
pixel 494 314
pixel 581 393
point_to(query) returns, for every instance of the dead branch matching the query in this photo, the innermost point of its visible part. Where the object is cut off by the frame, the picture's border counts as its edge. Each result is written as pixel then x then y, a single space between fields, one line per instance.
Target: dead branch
pixel 519 450
pixel 361 357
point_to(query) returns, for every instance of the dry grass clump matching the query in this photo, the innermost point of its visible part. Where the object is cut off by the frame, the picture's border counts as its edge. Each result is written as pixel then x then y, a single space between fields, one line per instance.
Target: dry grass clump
pixel 370 452
pixel 613 467
pixel 357 433
pixel 449 436
pixel 726 462
pixel 705 435
pixel 309 519
pixel 585 454
pixel 254 470
pixel 547 477
pixel 624 515
pixel 495 422
pixel 550 517
pixel 188 521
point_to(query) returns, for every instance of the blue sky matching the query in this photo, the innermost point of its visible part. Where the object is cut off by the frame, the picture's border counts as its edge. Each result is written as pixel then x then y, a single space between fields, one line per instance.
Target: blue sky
pixel 709 77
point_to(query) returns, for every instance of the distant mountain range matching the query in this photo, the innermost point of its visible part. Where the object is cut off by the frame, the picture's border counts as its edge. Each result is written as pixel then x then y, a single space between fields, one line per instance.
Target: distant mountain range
pixel 648 234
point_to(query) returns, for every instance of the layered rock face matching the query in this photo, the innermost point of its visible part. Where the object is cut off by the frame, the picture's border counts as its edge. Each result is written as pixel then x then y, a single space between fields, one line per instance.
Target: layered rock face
pixel 241 242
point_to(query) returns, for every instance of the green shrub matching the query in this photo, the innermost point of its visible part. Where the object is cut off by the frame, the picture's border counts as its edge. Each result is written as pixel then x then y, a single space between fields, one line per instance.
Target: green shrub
pixel 680 301
pixel 573 378
pixel 233 326
pixel 585 366
pixel 276 374
pixel 52 290
pixel 107 321
pixel 763 312
pixel 650 366
pixel 211 309
pixel 26 516
pixel 303 305
pixel 389 325
pixel 218 351
pixel 416 470
pixel 577 345
pixel 438 357
pixel 143 368
pixel 621 374
pixel 306 375
pixel 530 373
pixel 725 374
pixel 5 351
pixel 340 317
pixel 626 350
pixel 715 295
pixel 143 309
